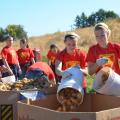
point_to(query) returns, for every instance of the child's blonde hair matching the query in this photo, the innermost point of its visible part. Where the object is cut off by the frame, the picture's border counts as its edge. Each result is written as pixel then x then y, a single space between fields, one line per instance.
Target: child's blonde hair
pixel 104 27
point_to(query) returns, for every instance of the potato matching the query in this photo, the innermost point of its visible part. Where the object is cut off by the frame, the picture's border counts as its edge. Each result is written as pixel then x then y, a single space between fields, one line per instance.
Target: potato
pixel 105 77
pixel 70 98
pixel 59 108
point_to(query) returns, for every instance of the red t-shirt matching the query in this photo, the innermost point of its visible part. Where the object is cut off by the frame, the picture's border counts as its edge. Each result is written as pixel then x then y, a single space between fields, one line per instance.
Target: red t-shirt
pixel 52 56
pixel 112 52
pixel 25 55
pixel 10 55
pixel 77 58
pixel 44 67
pixel 68 60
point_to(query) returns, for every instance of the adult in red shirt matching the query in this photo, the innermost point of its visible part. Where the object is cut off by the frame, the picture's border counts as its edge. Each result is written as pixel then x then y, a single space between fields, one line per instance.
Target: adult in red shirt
pixel 104 53
pixel 71 56
pixel 10 58
pixel 51 55
pixel 25 56
pixel 45 68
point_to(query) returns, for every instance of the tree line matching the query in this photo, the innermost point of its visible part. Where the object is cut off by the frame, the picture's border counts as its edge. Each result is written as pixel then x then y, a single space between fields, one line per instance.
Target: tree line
pixel 82 21
pixel 16 31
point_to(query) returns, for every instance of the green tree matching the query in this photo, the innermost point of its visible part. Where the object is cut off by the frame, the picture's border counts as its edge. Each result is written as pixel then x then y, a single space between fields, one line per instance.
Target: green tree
pixel 17 31
pixel 111 14
pixel 2 33
pixel 77 21
pixel 99 16
pixel 84 22
pixel 91 19
pixel 81 21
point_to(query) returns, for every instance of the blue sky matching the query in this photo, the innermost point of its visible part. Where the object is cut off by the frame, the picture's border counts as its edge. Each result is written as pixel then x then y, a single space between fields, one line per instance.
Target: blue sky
pixel 47 16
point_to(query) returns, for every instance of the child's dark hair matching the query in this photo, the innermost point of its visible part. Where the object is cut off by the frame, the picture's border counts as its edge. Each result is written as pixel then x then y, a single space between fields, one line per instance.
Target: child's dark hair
pixel 53 46
pixel 68 36
pixel 7 37
pixel 24 41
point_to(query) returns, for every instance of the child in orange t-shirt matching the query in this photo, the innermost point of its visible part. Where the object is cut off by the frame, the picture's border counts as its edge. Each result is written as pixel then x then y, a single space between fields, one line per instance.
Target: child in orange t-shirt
pixel 25 56
pixel 71 56
pixel 51 55
pixel 104 53
pixel 10 58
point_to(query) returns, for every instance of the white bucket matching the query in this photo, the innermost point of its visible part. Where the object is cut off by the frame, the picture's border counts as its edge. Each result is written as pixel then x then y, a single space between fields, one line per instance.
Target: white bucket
pixel 112 84
pixel 8 79
pixel 75 81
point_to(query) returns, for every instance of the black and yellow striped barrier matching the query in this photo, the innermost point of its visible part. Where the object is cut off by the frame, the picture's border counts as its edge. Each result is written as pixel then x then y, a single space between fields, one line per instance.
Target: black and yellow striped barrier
pixel 6 112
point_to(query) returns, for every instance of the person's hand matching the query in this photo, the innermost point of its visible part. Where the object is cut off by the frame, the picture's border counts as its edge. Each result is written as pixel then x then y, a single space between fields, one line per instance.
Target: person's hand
pixel 3 68
pixel 20 71
pixel 101 61
pixel 84 72
pixel 10 71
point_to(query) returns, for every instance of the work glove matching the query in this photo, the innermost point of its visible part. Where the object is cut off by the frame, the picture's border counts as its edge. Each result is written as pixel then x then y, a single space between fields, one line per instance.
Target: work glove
pixel 101 61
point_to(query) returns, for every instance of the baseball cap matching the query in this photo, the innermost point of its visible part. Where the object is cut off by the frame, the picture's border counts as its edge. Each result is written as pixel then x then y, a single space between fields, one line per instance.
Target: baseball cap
pixel 72 35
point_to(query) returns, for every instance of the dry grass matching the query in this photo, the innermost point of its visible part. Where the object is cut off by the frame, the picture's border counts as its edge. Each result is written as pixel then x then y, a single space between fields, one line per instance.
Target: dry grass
pixel 87 38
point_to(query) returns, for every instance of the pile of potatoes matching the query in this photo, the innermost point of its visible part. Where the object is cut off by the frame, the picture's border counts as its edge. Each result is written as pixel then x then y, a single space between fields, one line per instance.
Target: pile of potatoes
pixel 20 85
pixel 69 98
pixel 4 87
pixel 104 78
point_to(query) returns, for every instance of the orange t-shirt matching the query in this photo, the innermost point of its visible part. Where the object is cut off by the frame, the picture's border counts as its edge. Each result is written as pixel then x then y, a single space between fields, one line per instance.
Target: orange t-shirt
pixel 52 56
pixel 77 58
pixel 44 67
pixel 10 55
pixel 112 53
pixel 25 55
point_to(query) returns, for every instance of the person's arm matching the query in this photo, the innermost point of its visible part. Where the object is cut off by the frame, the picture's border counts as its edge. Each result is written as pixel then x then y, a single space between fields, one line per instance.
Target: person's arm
pixel 85 71
pixel 53 82
pixel 32 57
pixel 32 60
pixel 117 48
pixel 48 58
pixel 93 68
pixel 51 76
pixel 49 62
pixel 19 68
pixel 58 68
pixel 6 64
pixel 83 62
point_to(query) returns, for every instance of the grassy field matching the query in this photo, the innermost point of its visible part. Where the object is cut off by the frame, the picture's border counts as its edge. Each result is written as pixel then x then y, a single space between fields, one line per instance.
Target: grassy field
pixel 86 40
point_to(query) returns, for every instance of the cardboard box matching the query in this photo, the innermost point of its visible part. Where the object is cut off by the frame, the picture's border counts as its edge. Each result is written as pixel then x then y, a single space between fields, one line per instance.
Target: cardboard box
pixel 94 107
pixel 8 103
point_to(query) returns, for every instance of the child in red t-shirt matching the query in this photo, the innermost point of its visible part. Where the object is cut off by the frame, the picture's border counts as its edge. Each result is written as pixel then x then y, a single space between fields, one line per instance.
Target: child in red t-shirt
pixel 104 53
pixel 51 55
pixel 10 58
pixel 45 68
pixel 25 56
pixel 37 55
pixel 71 56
